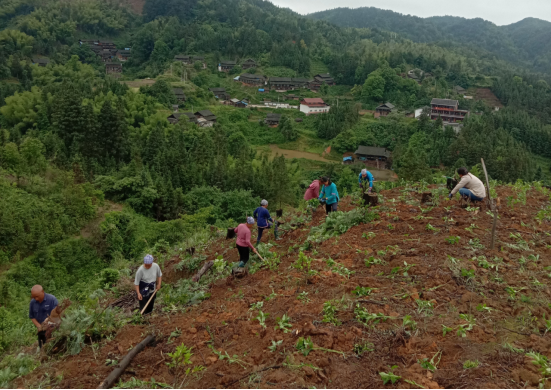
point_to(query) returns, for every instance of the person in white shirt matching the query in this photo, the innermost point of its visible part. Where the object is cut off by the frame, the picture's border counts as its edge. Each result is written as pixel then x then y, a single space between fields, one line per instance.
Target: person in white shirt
pixel 469 187
pixel 147 281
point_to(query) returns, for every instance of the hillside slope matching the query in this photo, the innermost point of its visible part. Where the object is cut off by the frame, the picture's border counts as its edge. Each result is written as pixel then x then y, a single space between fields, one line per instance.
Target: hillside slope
pixel 417 284
pixel 524 42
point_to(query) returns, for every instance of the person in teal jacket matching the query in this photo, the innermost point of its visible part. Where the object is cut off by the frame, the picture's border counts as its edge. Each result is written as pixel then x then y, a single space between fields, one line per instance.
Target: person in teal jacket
pixel 363 178
pixel 329 195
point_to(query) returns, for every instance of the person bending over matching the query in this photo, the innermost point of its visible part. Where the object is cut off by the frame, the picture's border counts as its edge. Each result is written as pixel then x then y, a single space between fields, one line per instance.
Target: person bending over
pixel 469 187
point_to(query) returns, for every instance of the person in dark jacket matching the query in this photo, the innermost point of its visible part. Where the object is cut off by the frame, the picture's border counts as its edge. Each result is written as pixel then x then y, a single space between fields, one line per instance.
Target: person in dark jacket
pixel 40 308
pixel 263 219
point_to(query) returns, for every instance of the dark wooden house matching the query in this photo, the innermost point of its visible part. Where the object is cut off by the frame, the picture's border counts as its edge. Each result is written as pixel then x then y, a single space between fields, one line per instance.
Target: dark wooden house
pixel 372 153
pixel 180 96
pixel 272 119
pixel 220 93
pixel 252 79
pixel 448 110
pixel 248 64
pixel 319 79
pixel 42 61
pixel 384 109
pixel 206 115
pixel 114 69
pixel 183 116
pixel 124 55
pixel 226 66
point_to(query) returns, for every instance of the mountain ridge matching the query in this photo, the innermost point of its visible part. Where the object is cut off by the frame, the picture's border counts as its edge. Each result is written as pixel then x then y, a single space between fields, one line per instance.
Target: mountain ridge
pixel 526 42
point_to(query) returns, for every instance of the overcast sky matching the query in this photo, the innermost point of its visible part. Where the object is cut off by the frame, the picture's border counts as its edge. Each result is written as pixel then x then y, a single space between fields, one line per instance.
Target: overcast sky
pixel 498 11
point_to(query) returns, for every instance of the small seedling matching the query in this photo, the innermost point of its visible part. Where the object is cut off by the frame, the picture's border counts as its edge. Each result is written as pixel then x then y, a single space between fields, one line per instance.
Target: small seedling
pixel 366 317
pixel 431 228
pixel 283 323
pixel 362 291
pixel 470 364
pixel 389 376
pixel 483 307
pixel 512 348
pixel 303 297
pixel 361 348
pixel 467 273
pixel 329 314
pixel 262 318
pixel 408 322
pixel 475 244
pixel 111 362
pixel 542 363
pixel 180 357
pixel 470 320
pixel 256 306
pixel 274 345
pixel 368 235
pixel 231 359
pixel 461 331
pixel 424 307
pixel 304 345
pixel 431 364
pixel 372 261
pixel 445 329
pixel 173 335
pixel 452 240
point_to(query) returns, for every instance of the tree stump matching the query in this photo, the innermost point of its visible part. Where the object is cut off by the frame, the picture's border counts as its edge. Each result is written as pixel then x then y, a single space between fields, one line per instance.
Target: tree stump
pixel 230 234
pixel 426 197
pixel 279 213
pixel 371 199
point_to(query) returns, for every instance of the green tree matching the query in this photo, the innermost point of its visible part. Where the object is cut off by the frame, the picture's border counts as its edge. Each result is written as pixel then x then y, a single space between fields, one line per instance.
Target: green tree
pixel 374 87
pixel 287 128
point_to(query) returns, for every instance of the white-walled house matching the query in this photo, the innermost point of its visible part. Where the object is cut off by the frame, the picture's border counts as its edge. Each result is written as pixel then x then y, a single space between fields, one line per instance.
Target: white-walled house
pixel 313 106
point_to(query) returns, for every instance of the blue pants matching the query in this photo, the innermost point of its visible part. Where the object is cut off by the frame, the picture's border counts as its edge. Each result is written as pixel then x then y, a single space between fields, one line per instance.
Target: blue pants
pixel 468 194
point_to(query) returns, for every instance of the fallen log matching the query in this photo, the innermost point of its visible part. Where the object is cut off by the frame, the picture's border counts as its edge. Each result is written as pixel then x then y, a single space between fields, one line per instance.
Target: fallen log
pixel 117 372
pixel 204 269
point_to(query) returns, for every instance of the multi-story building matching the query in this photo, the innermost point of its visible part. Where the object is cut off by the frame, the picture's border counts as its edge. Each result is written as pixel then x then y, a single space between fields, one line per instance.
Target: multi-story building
pixel 313 106
pixel 448 110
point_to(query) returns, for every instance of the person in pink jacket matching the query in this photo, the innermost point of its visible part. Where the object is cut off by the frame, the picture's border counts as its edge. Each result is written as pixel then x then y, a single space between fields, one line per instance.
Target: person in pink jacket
pixel 244 241
pixel 313 191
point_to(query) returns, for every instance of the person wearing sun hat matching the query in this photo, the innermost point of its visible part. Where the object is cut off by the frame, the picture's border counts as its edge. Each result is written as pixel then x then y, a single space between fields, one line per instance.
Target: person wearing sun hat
pixel 148 280
pixel 244 241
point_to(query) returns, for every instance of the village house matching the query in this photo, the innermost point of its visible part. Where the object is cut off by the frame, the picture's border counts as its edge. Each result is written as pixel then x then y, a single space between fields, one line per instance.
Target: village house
pixel 123 55
pixel 318 80
pixel 42 61
pixel 418 75
pixel 226 66
pixel 448 110
pixel 459 90
pixel 114 69
pixel 282 84
pixel 313 106
pixel 372 153
pixel 177 117
pixel 272 120
pixel 292 97
pixel 220 93
pixel 248 64
pixel 110 45
pixel 238 103
pixel 252 79
pixel 201 60
pixel 206 115
pixel 180 96
pixel 384 110
pixel 184 59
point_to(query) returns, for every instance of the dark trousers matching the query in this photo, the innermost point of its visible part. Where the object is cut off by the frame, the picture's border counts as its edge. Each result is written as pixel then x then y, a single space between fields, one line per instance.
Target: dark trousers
pixel 331 207
pixel 143 302
pixel 260 231
pixel 41 338
pixel 243 253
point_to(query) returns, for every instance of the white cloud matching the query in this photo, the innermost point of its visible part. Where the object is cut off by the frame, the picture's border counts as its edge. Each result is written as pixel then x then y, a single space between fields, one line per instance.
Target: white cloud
pixel 500 12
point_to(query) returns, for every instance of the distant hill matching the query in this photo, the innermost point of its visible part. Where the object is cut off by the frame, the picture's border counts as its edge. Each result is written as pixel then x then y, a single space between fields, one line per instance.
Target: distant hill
pixel 527 42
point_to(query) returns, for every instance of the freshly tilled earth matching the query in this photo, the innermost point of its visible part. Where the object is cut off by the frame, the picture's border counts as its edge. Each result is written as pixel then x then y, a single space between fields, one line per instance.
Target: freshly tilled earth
pixel 412 269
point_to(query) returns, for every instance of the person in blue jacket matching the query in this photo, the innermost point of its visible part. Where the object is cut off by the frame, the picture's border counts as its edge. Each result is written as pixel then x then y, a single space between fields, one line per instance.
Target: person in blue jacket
pixel 263 219
pixel 364 177
pixel 329 195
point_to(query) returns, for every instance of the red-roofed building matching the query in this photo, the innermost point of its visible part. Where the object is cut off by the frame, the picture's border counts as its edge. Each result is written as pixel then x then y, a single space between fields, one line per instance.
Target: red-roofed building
pixel 313 106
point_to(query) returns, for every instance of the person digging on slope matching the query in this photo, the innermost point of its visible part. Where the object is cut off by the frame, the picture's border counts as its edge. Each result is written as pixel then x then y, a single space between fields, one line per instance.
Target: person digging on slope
pixel 244 241
pixel 365 177
pixel 148 280
pixel 329 195
pixel 469 187
pixel 263 219
pixel 40 308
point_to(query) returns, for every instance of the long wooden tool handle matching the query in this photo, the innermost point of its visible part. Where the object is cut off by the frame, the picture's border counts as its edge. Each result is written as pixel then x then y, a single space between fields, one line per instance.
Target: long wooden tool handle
pixel 147 304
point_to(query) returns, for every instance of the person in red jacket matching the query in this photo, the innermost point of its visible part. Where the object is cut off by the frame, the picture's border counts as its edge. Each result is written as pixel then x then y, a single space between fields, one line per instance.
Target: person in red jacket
pixel 313 191
pixel 244 241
